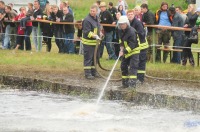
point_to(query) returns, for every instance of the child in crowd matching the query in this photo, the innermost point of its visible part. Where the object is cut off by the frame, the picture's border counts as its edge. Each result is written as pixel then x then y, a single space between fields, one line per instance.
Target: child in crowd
pixel 28 14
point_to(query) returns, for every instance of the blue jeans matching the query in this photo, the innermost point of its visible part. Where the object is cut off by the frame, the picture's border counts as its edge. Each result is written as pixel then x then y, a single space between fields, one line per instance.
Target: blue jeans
pixel 28 31
pixel 69 45
pixel 177 55
pixel 7 38
pixel 108 37
pixel 38 46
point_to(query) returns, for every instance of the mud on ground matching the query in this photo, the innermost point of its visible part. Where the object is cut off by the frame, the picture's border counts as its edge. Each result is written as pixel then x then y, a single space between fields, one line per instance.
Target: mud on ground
pixel 175 88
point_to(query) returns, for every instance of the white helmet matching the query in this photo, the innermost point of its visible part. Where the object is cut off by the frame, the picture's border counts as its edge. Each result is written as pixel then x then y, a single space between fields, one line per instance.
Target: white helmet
pixel 123 19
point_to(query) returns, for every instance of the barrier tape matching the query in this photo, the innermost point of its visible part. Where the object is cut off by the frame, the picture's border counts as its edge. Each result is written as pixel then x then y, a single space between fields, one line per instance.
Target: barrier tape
pixel 156 45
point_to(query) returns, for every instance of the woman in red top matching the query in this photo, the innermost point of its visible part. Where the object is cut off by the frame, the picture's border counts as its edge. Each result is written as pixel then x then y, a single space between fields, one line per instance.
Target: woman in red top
pixel 20 32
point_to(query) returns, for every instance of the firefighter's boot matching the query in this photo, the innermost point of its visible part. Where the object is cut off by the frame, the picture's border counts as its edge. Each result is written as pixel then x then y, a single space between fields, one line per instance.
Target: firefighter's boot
pixel 125 83
pixel 95 73
pixel 132 83
pixel 88 74
pixel 140 77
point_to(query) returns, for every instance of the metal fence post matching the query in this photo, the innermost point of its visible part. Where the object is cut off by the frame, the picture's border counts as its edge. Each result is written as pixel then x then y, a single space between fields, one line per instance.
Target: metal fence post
pixel 154 47
pixel 39 37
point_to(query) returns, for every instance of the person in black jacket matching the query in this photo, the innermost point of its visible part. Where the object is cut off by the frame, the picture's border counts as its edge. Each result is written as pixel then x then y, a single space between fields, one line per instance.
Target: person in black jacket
pixel 148 18
pixel 189 23
pixel 57 28
pixel 129 51
pixel 177 35
pixel 106 18
pixel 91 32
pixel 112 10
pixel 68 31
pixel 36 15
pixel 47 31
pixel 138 26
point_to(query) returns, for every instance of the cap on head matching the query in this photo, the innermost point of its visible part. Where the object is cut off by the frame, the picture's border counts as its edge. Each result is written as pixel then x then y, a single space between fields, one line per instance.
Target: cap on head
pixel 103 4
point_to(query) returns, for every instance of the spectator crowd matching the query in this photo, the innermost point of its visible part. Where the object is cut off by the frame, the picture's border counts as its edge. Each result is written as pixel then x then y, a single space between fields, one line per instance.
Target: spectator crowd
pixel 16 28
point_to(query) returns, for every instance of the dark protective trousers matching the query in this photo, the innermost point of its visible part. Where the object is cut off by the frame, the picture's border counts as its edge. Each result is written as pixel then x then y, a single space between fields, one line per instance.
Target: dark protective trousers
pixel 142 65
pixel 129 67
pixel 88 58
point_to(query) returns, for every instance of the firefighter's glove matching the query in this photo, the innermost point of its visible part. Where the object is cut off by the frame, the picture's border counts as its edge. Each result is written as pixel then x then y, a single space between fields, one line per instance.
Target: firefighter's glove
pixel 97 37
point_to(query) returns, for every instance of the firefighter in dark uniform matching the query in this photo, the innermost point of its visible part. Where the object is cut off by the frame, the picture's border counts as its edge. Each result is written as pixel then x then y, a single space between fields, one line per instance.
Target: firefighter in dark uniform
pixel 129 51
pixel 91 31
pixel 138 26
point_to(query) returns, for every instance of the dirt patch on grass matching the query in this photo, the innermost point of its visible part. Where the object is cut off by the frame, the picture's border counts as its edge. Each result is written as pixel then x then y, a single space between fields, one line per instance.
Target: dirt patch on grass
pixel 60 76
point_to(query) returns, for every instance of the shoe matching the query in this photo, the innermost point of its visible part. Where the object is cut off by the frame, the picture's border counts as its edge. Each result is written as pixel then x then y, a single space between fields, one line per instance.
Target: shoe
pixel 89 77
pixel 95 73
pixel 132 83
pixel 138 82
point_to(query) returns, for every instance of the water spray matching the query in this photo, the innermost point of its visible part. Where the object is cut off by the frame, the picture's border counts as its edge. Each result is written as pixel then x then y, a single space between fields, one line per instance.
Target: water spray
pixel 107 80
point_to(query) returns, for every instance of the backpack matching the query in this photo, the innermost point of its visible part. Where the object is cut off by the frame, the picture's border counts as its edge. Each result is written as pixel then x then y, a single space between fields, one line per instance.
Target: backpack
pixel 193 38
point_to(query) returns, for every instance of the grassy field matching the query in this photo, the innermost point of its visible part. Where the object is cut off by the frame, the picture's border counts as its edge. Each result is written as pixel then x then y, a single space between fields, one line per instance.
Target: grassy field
pixel 13 62
pixel 81 7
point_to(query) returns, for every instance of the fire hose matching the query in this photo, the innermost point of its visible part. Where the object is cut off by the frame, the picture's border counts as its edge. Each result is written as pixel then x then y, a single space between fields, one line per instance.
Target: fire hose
pixel 97 63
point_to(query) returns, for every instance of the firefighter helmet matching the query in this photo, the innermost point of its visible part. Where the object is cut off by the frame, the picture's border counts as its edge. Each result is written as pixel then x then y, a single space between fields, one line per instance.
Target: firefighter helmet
pixel 123 19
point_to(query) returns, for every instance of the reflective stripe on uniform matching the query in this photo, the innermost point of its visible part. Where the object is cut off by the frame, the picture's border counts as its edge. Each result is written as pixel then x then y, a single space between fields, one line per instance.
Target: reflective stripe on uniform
pixel 127 47
pixel 141 71
pixel 131 52
pixel 144 45
pixel 125 77
pixel 87 67
pixel 134 51
pixel 120 41
pixel 88 42
pixel 95 31
pixel 133 77
pixel 90 34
